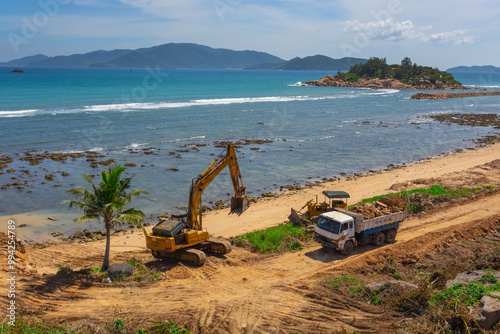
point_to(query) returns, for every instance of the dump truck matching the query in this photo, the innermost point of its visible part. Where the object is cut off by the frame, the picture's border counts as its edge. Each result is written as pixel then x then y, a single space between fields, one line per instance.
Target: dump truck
pixel 183 236
pixel 336 199
pixel 343 230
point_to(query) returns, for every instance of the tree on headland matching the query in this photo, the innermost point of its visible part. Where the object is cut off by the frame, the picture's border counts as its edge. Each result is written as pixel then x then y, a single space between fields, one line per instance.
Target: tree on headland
pixel 406 62
pixel 107 201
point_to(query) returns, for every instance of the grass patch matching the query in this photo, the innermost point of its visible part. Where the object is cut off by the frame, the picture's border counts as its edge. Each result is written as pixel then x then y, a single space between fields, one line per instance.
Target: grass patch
pixel 23 326
pixel 469 294
pixel 286 236
pixel 353 285
pixel 415 200
pixel 161 327
pixel 143 273
pixel 37 326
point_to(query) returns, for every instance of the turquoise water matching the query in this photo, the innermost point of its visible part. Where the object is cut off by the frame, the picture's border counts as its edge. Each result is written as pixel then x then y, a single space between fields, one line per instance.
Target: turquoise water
pixel 316 132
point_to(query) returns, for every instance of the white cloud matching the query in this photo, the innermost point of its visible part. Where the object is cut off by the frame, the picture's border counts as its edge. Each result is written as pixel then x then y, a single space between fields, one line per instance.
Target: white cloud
pixel 391 30
pixel 385 29
pixel 457 37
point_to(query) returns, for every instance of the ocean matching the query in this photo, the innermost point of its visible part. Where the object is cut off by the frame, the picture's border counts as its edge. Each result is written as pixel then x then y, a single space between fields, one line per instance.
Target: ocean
pixel 168 123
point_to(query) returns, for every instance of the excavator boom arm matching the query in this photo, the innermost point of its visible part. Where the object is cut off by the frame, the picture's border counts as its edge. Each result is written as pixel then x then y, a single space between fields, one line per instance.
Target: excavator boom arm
pixel 239 201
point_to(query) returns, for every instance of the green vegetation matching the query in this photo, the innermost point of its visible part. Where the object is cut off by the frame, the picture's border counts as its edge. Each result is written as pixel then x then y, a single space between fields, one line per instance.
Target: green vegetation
pixel 117 327
pixel 469 294
pixel 353 285
pixel 107 201
pixel 143 273
pixel 407 72
pixel 24 326
pixel 417 200
pixel 286 236
pixel 163 327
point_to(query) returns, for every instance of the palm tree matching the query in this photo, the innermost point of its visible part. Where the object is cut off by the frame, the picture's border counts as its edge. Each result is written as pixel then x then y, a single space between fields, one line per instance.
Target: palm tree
pixel 107 201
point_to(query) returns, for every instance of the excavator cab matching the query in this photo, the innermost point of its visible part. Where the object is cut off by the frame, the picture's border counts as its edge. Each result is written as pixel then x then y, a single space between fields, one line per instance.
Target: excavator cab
pixel 170 227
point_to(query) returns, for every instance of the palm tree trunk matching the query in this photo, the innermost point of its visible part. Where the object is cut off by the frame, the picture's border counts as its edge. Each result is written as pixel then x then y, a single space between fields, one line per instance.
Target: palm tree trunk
pixel 105 263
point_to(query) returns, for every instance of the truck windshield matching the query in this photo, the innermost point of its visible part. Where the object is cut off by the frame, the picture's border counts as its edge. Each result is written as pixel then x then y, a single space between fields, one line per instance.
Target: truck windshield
pixel 328 225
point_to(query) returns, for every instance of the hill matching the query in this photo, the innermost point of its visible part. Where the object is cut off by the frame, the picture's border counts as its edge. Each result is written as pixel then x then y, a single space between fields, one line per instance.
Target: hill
pixel 486 68
pixel 26 61
pixel 188 55
pixel 313 63
pixel 376 73
pixel 172 55
pixel 80 60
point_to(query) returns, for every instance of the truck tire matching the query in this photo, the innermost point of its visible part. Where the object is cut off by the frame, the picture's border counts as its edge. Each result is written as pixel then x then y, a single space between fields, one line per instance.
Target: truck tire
pixel 379 239
pixel 348 247
pixel 390 236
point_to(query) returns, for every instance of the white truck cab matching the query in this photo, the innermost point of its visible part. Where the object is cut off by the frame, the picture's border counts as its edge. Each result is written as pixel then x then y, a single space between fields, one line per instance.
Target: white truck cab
pixel 334 229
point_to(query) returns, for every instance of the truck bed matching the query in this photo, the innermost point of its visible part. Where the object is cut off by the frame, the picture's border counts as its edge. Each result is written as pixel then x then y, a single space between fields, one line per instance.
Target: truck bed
pixel 374 225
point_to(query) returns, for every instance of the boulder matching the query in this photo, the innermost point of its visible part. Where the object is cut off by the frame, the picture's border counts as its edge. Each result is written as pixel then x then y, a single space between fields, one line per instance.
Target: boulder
pixel 490 314
pixel 123 269
pixel 469 276
pixel 371 288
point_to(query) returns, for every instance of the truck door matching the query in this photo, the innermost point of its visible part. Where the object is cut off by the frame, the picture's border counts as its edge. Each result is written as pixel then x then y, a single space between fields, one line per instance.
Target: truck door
pixel 347 229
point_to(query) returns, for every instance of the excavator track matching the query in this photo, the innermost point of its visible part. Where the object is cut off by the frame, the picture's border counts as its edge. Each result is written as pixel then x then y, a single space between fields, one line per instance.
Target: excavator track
pixel 192 255
pixel 217 246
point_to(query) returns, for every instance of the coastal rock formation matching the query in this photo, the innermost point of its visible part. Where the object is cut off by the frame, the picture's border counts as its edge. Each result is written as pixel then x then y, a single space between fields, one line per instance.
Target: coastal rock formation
pixel 443 96
pixel 376 83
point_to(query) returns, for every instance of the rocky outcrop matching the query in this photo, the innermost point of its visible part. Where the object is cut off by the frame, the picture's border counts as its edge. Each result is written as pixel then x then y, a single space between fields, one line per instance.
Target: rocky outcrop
pixel 487 313
pixel 376 83
pixel 443 96
pixel 490 311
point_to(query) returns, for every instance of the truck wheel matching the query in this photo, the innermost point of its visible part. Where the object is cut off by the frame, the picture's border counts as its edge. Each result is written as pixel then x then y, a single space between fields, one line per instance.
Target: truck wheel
pixel 379 239
pixel 348 247
pixel 390 236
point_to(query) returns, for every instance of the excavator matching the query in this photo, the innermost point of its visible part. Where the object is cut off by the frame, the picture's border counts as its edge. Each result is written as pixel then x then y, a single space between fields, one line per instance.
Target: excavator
pixel 182 236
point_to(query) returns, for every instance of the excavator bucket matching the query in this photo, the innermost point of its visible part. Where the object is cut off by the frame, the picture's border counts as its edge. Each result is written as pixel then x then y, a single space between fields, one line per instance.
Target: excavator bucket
pixel 239 204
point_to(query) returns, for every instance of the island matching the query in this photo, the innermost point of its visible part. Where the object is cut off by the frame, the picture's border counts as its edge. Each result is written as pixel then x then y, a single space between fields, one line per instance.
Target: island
pixel 376 73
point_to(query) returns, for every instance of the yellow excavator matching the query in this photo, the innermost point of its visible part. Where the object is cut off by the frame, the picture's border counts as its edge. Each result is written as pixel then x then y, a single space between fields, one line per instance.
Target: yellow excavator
pixel 182 236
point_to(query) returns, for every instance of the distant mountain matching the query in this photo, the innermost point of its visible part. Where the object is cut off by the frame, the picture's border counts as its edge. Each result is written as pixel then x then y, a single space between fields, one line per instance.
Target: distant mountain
pixel 24 61
pixel 313 63
pixel 80 60
pixel 188 55
pixel 486 68
pixel 172 55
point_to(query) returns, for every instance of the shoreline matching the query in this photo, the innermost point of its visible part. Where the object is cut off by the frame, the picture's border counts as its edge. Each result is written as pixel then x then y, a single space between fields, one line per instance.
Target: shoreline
pixel 273 210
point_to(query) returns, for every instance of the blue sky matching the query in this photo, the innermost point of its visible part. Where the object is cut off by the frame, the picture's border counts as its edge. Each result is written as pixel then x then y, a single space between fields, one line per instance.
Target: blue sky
pixel 439 34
